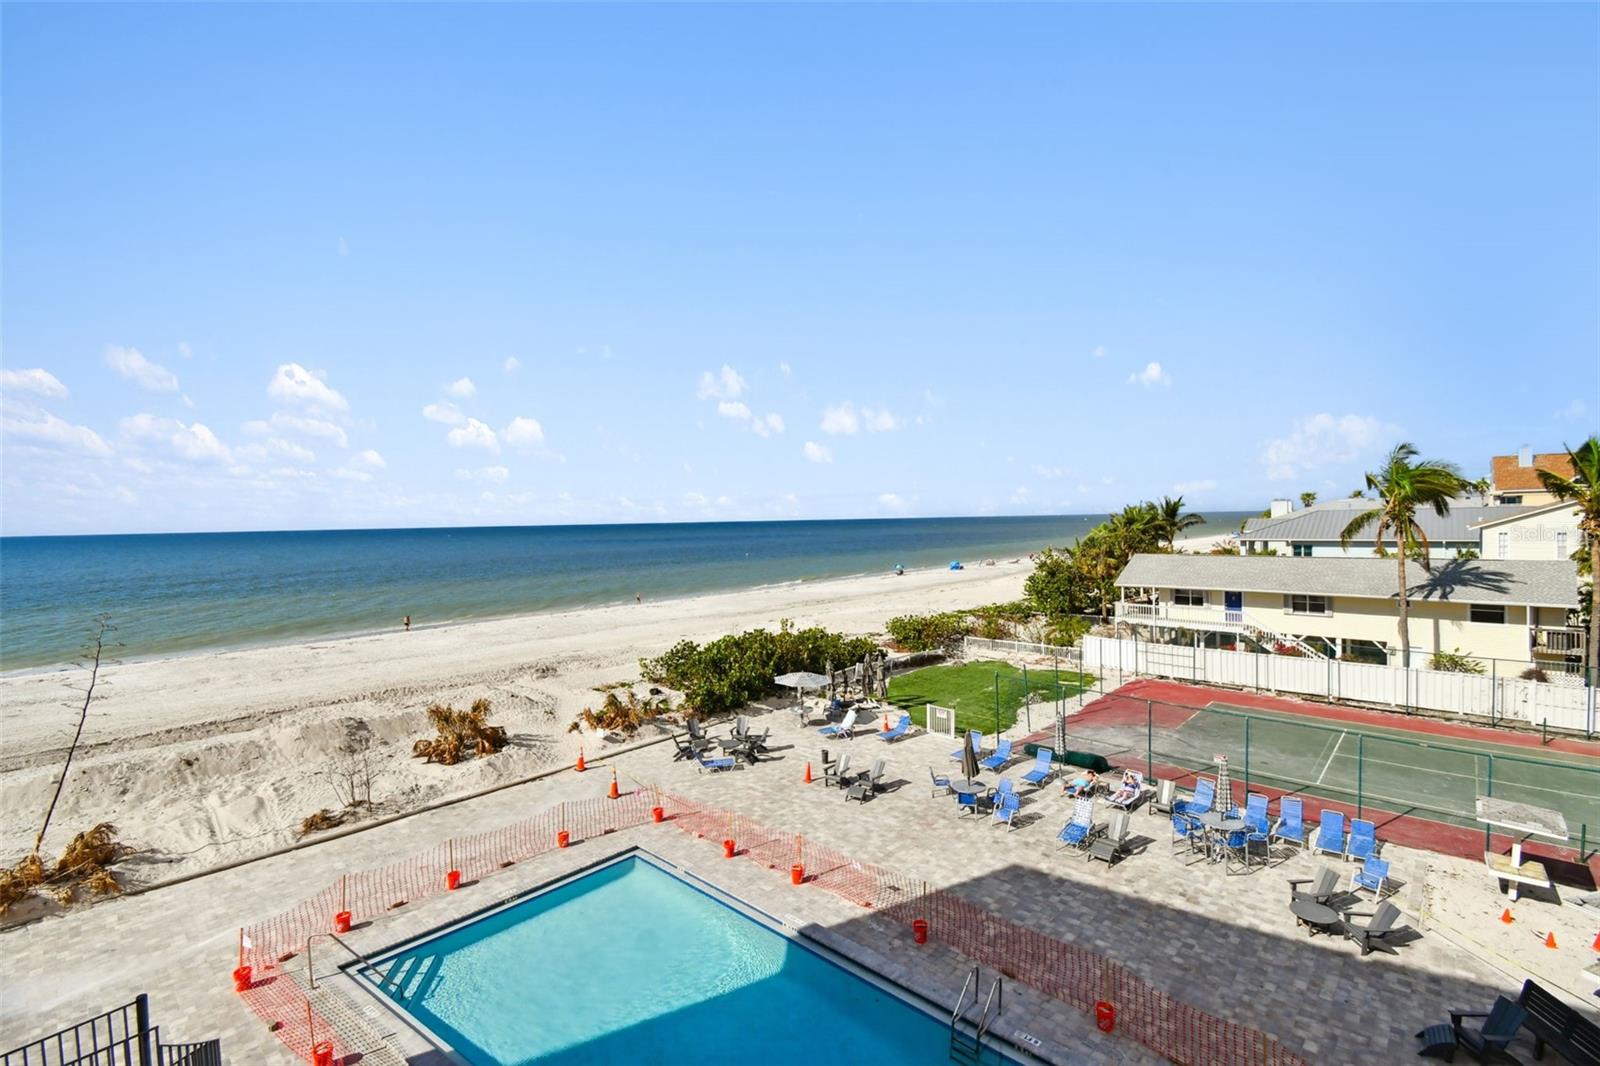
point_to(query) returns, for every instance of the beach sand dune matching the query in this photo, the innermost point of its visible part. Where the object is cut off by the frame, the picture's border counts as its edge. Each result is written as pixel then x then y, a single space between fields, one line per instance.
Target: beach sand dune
pixel 208 758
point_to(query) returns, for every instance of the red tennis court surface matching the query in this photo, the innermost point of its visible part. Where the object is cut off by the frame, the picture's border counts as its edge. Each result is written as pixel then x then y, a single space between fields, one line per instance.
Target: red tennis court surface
pixel 1167 704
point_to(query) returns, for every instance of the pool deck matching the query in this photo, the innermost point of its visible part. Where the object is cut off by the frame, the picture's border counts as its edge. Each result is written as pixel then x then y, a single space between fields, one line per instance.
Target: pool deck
pixel 1224 943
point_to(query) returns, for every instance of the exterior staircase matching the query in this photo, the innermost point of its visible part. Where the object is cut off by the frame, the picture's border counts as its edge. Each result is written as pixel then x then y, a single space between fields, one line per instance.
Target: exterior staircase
pixel 1270 640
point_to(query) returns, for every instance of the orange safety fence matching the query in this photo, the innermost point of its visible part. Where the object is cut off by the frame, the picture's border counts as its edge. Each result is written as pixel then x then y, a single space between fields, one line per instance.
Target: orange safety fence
pixel 1073 974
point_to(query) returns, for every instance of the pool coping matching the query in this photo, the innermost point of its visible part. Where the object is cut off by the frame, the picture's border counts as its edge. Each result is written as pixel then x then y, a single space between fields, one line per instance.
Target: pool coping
pixel 419 1045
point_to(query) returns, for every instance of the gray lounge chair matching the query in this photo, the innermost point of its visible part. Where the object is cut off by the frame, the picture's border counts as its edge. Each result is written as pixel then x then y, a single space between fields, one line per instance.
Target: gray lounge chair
pixel 837 774
pixel 1323 886
pixel 1376 932
pixel 1110 846
pixel 867 784
pixel 1166 795
pixel 1487 1042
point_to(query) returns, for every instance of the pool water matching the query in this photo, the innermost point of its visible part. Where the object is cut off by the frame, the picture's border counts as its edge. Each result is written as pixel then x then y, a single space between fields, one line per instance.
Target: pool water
pixel 631 964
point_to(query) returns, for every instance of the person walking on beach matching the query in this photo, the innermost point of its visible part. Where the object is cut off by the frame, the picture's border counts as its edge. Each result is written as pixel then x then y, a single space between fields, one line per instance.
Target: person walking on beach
pixel 637 598
pixel 408 623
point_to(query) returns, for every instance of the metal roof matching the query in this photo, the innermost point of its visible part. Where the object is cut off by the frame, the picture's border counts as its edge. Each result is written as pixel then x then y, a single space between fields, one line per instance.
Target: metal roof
pixel 1518 582
pixel 1325 521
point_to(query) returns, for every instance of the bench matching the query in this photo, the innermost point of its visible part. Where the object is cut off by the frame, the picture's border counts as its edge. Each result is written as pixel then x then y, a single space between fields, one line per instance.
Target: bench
pixel 1552 1022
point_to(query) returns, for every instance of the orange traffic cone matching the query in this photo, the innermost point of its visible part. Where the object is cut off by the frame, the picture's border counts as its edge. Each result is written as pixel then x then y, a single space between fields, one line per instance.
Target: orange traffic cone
pixel 808 773
pixel 1597 941
pixel 1550 939
pixel 613 793
pixel 1505 916
pixel 580 767
pixel 885 721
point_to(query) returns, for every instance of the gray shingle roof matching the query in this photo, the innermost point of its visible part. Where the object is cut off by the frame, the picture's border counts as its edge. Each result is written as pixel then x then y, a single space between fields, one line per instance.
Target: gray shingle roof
pixel 1325 521
pixel 1535 582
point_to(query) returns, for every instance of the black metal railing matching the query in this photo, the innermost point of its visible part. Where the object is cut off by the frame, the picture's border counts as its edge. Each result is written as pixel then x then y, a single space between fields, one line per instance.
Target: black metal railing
pixel 122 1036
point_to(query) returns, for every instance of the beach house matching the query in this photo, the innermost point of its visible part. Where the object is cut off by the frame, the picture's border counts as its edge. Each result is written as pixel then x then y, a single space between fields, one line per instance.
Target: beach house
pixel 1313 532
pixel 1514 479
pixel 1514 610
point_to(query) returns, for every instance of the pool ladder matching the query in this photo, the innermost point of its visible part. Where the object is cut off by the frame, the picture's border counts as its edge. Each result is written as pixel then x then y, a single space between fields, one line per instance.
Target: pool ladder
pixel 965 1049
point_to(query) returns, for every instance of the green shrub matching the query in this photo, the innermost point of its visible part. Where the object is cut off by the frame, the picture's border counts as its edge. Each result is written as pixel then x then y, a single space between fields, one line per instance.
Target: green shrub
pixel 730 671
pixel 1454 662
pixel 929 632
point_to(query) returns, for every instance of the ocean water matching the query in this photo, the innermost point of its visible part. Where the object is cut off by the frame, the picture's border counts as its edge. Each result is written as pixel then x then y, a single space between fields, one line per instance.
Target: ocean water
pixel 631 965
pixel 184 592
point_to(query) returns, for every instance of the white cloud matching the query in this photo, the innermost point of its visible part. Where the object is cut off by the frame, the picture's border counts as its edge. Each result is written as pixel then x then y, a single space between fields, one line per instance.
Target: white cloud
pixel 512 364
pixel 136 368
pixel 348 474
pixel 1320 439
pixel 292 473
pixel 1049 473
pixel 522 432
pixel 184 350
pixel 37 380
pixel 448 413
pixel 733 409
pixel 880 421
pixel 293 383
pixel 474 435
pixel 44 426
pixel 817 453
pixel 1020 495
pixel 1184 488
pixel 495 474
pixel 1152 374
pixel 726 384
pixel 371 458
pixel 694 499
pixel 840 419
pixel 462 389
pixel 785 369
pixel 256 453
pixel 1574 410
pixel 891 501
pixel 193 441
pixel 770 423
pixel 285 422
pixel 1099 351
pixel 196 441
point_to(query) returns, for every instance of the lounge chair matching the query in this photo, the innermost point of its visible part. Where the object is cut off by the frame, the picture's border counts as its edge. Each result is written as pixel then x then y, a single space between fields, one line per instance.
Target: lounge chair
pixel 696 730
pixel 838 773
pixel 1185 830
pixel 1079 831
pixel 868 784
pixel 1006 808
pixel 685 749
pixel 1001 756
pixel 741 726
pixel 845 729
pixel 1165 799
pixel 977 745
pixel 1363 842
pixel 941 785
pixel 1109 847
pixel 1487 1042
pixel 1373 876
pixel 706 762
pixel 1330 834
pixel 1376 932
pixel 1128 794
pixel 1205 794
pixel 1291 826
pixel 1043 766
pixel 901 728
pixel 1257 827
pixel 1323 886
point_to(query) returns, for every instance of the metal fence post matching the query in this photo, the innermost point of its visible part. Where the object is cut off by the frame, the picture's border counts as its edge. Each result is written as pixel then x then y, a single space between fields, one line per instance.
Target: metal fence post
pixel 997 703
pixel 1149 740
pixel 1247 758
pixel 1361 763
pixel 1488 844
pixel 1494 691
pixel 141 1015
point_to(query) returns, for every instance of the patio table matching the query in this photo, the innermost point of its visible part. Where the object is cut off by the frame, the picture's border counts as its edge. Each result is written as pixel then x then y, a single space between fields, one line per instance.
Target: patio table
pixel 966 787
pixel 1319 917
pixel 1521 821
pixel 1218 825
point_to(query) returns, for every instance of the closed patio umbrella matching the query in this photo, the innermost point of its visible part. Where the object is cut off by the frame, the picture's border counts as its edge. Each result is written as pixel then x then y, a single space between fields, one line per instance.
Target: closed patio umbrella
pixel 1224 802
pixel 969 759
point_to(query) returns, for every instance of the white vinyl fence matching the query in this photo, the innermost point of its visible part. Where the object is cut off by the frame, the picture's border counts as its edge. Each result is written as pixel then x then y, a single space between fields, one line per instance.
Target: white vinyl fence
pixel 1568 706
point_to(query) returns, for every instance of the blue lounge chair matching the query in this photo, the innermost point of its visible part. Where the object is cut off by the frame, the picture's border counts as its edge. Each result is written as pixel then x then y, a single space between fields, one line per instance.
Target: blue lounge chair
pixel 1205 794
pixel 1363 842
pixel 1373 876
pixel 845 728
pixel 1077 832
pixel 901 728
pixel 1330 834
pixel 977 745
pixel 941 785
pixel 1005 809
pixel 709 763
pixel 1257 827
pixel 1001 756
pixel 1291 827
pixel 1043 766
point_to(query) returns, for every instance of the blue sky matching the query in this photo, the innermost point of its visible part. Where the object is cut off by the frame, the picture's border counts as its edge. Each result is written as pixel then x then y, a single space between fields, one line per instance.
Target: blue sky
pixel 292 266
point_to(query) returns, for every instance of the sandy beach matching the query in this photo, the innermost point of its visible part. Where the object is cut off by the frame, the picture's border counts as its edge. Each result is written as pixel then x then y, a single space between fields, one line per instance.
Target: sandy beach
pixel 209 758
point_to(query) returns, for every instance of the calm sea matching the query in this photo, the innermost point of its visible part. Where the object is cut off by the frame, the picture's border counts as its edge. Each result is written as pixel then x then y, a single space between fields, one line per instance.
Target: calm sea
pixel 184 592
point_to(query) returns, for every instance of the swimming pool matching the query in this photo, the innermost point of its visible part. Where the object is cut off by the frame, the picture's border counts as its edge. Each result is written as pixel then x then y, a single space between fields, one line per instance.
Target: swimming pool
pixel 631 964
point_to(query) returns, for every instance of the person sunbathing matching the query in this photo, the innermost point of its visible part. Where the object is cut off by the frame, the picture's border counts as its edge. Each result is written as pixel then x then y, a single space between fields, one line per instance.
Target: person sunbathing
pixel 1083 784
pixel 1129 790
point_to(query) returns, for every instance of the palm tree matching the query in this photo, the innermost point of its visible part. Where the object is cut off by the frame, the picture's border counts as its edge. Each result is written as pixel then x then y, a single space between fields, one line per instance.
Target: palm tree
pixel 1402 487
pixel 1584 488
pixel 1171 519
pixel 1307 499
pixel 1483 486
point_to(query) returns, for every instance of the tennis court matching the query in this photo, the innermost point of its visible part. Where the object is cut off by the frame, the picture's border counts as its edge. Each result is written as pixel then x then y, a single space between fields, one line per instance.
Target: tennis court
pixel 1383 773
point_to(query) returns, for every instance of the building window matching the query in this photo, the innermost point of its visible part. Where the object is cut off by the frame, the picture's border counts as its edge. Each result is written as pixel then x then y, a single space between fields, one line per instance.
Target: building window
pixel 1484 612
pixel 1300 604
pixel 1189 597
pixel 1302 551
pixel 1510 499
pixel 1502 542
pixel 1561 544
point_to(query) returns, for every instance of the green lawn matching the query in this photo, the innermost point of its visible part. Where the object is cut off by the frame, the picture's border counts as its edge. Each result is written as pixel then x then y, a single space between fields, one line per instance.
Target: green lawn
pixel 970 689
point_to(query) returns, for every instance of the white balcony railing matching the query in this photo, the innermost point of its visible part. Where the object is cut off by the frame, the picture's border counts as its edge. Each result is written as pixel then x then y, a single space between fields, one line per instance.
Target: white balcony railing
pixel 1560 639
pixel 1206 617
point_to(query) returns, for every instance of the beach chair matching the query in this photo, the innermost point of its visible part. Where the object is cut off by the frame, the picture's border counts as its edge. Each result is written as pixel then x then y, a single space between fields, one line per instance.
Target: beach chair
pixel 1372 876
pixel 974 802
pixel 1007 806
pixel 977 745
pixel 868 784
pixel 684 750
pixel 1078 832
pixel 1363 842
pixel 1376 933
pixel 1487 1041
pixel 1291 826
pixel 1185 830
pixel 1043 766
pixel 1323 886
pixel 941 785
pixel 1205 794
pixel 1109 848
pixel 846 729
pixel 696 730
pixel 901 728
pixel 1128 794
pixel 838 773
pixel 1165 799
pixel 1257 825
pixel 708 763
pixel 741 726
pixel 1330 834
pixel 1001 756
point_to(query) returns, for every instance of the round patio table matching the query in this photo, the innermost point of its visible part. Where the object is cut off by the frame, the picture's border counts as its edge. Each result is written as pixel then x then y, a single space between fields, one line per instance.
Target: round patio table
pixel 1219 826
pixel 966 788
pixel 1319 917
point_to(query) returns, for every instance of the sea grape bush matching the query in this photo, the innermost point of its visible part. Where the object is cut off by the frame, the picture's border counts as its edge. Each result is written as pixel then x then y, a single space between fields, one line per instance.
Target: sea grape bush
pixel 730 671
